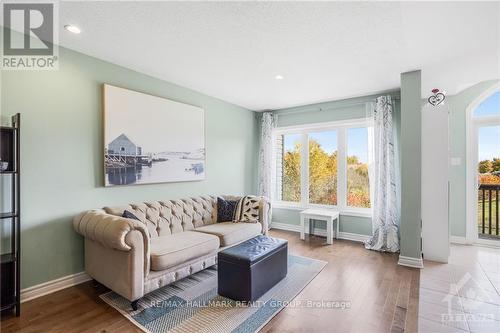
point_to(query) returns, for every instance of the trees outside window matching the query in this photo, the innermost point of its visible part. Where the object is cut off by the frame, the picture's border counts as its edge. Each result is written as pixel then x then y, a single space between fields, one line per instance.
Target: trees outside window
pixel 489 154
pixel 290 167
pixel 358 184
pixel 336 172
pixel 323 168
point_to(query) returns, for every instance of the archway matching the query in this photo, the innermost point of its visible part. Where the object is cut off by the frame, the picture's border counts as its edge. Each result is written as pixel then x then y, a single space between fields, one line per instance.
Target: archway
pixel 483 168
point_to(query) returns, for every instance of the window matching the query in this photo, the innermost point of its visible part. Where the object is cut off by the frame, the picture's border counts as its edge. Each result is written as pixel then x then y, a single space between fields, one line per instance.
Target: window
pixel 489 107
pixel 486 127
pixel 323 165
pixel 289 168
pixel 358 185
pixel 323 168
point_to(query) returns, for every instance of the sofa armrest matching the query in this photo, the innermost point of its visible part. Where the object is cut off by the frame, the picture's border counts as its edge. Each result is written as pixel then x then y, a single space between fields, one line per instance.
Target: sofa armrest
pixel 109 230
pixel 116 251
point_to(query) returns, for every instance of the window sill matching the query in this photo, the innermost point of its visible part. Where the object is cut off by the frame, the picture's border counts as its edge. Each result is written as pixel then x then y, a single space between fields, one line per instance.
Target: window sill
pixel 345 212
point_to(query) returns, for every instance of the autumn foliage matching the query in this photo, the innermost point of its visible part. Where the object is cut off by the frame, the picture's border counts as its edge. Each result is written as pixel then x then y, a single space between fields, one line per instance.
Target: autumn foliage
pixel 488 178
pixel 323 177
pixel 489 171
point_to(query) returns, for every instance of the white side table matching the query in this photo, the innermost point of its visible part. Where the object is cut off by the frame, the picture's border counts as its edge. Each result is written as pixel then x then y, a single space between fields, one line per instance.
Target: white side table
pixel 320 214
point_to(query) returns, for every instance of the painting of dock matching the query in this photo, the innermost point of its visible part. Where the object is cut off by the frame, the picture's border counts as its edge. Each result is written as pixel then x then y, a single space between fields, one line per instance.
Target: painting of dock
pixel 148 139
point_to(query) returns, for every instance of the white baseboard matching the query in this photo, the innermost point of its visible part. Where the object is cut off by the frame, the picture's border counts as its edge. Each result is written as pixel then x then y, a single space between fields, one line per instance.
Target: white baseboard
pixel 285 226
pixel 354 237
pixel 458 240
pixel 49 287
pixel 478 242
pixel 319 232
pixel 486 243
pixel 411 262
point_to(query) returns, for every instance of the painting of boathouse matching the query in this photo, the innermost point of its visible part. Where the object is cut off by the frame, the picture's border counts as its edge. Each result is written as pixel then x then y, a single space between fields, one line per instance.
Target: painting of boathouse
pixel 123 146
pixel 150 139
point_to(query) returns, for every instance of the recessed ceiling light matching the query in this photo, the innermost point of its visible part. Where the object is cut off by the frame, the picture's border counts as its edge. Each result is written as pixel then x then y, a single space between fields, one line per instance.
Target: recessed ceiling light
pixel 72 28
pixel 279 77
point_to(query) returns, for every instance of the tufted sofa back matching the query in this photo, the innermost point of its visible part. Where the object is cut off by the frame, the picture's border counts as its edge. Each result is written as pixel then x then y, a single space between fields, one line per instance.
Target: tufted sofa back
pixel 172 216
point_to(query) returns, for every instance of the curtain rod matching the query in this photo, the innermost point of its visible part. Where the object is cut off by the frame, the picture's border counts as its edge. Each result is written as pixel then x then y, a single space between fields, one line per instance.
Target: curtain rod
pixel 321 109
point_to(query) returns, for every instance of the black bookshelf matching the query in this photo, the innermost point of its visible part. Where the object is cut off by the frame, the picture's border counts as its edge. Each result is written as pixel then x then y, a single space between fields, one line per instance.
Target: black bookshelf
pixel 10 286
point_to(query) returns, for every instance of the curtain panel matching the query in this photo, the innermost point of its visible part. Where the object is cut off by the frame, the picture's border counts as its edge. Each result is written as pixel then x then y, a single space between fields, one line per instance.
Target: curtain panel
pixel 265 154
pixel 383 180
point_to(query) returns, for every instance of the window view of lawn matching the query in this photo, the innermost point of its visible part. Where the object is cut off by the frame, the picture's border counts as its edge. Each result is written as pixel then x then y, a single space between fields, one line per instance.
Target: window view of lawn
pixel 487 217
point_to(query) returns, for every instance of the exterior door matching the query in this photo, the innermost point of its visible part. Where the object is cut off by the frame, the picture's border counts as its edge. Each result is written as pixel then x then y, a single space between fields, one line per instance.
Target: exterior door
pixel 483 169
pixel 488 179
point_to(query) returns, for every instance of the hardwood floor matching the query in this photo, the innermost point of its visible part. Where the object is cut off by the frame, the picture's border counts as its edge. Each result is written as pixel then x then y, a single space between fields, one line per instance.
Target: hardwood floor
pixel 383 297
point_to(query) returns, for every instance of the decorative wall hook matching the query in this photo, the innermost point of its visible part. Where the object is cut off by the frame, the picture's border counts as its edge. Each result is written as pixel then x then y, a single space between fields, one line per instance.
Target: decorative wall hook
pixel 436 98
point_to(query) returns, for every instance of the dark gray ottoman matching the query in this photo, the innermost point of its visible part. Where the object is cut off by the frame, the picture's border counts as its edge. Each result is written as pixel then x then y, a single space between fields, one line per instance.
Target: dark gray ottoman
pixel 248 270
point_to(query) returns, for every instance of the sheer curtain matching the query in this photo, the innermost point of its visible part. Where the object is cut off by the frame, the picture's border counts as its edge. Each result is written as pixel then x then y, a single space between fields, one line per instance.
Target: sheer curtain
pixel 265 154
pixel 383 179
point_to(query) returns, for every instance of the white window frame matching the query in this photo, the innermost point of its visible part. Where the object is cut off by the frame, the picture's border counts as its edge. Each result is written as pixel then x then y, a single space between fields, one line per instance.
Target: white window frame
pixel 341 127
pixel 473 123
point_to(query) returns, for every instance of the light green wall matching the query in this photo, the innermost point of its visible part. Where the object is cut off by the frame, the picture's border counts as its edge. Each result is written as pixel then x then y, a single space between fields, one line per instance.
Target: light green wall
pixel 62 154
pixel 410 164
pixel 352 108
pixel 458 142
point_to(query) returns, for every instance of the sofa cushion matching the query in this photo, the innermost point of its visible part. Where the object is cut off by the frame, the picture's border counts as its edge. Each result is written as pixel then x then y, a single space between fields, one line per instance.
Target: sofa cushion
pixel 226 209
pixel 231 233
pixel 169 251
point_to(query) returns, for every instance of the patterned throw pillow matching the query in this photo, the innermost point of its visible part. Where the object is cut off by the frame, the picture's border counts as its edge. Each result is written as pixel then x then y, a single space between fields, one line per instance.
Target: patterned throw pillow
pixel 247 209
pixel 225 210
pixel 129 215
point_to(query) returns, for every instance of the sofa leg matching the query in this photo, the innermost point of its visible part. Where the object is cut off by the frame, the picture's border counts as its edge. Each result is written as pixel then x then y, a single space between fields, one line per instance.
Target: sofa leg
pixel 134 304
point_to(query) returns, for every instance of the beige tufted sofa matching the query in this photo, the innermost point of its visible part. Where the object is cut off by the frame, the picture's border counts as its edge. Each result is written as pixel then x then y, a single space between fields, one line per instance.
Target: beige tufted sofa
pixel 173 239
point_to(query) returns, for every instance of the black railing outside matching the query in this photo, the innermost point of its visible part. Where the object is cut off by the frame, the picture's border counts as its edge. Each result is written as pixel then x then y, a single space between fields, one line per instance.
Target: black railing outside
pixel 488 222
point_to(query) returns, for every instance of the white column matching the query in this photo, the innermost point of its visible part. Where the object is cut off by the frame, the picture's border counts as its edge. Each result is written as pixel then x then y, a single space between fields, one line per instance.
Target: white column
pixel 435 225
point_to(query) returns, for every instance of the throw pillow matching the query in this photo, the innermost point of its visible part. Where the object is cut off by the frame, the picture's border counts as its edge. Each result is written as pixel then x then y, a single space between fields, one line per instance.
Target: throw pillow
pixel 247 209
pixel 129 215
pixel 225 210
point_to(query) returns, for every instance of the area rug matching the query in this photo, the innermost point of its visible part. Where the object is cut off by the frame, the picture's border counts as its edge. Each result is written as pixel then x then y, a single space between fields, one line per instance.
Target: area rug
pixel 193 305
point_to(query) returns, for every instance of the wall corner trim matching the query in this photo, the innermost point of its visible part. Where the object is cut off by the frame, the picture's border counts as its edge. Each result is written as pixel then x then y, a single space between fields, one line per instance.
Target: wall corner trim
pixel 410 262
pixel 52 286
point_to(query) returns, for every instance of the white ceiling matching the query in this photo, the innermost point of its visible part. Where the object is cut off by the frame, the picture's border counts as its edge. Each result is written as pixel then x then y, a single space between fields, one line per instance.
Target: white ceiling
pixel 324 50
